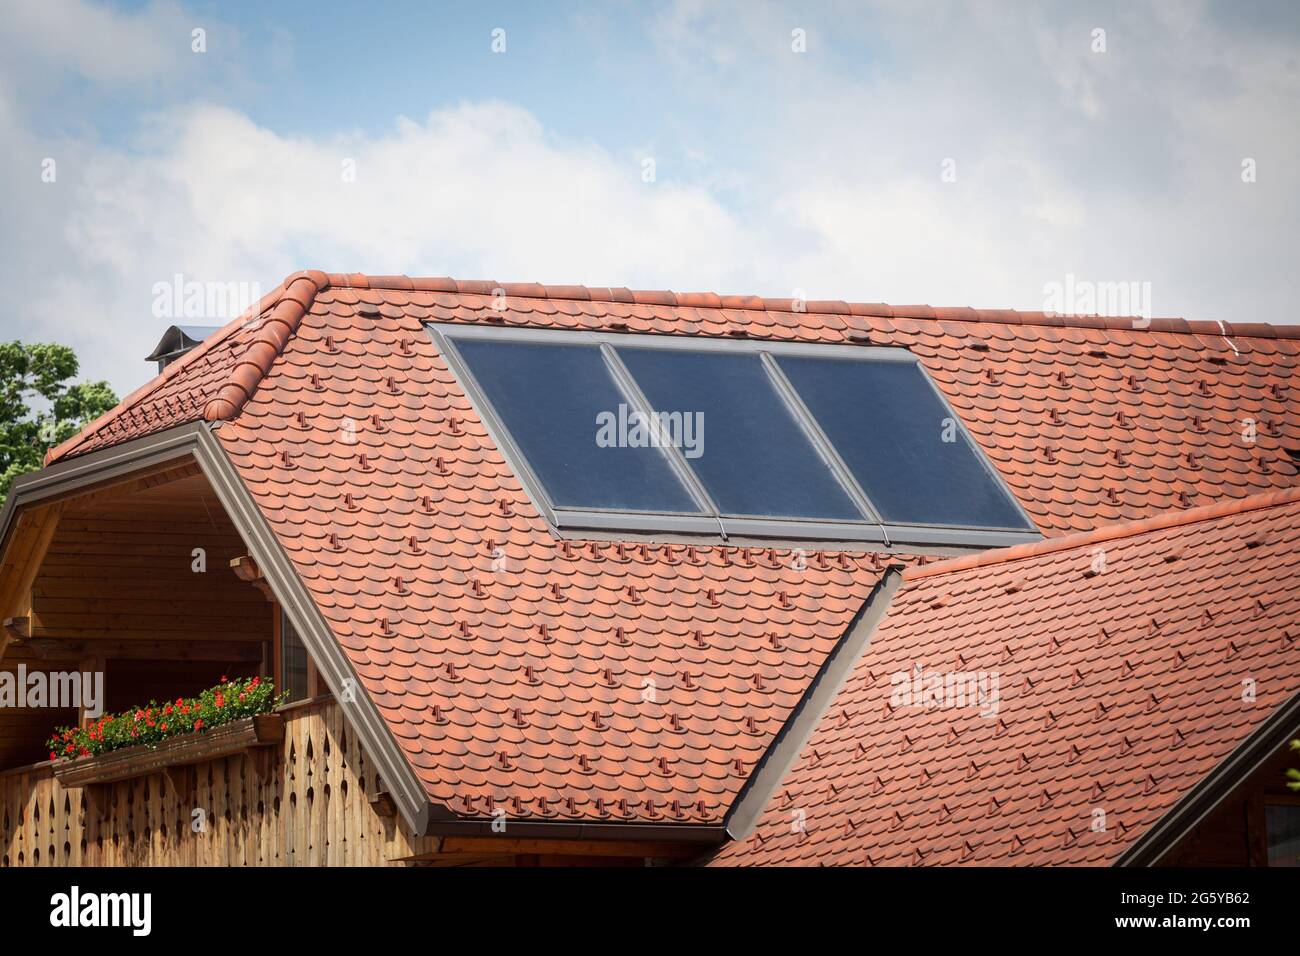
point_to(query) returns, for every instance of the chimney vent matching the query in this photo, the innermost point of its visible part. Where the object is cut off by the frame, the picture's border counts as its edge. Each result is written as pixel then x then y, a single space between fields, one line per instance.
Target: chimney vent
pixel 176 341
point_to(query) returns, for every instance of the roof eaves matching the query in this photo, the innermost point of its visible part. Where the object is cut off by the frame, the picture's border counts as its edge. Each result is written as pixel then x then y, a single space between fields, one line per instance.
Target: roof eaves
pixel 1211 790
pixel 567 830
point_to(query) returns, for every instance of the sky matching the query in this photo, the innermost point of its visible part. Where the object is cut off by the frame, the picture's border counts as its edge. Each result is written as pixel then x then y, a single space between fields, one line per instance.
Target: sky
pixel 1029 155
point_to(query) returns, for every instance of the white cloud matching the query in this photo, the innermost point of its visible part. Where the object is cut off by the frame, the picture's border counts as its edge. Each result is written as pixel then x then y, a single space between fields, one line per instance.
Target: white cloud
pixel 1118 166
pixel 96 42
pixel 1113 167
pixel 477 191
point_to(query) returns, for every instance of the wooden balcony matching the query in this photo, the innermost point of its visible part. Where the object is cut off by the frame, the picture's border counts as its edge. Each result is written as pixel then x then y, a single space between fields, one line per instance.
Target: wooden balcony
pixel 302 800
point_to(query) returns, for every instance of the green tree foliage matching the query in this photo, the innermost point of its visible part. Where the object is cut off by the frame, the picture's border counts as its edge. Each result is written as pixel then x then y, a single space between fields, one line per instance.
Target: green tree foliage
pixel 39 408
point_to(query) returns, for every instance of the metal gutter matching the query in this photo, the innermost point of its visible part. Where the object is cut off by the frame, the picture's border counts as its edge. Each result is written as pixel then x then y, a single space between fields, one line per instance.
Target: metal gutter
pixel 1206 797
pixel 564 830
pixel 790 741
pixel 98 466
pixel 313 630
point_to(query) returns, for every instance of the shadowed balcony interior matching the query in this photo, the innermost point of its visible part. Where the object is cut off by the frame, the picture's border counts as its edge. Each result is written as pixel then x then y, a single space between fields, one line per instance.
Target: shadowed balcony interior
pixel 135 582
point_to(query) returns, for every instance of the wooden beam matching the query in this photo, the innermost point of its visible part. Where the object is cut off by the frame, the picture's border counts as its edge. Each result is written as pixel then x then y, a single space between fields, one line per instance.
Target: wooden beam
pixel 246 569
pixel 89 665
pixel 23 557
pixel 165 473
pixel 16 630
pixel 55 648
pixel 277 645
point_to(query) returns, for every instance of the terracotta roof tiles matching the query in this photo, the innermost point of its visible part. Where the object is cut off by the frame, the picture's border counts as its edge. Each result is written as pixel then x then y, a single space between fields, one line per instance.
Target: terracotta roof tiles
pixel 511 664
pixel 568 676
pixel 1120 686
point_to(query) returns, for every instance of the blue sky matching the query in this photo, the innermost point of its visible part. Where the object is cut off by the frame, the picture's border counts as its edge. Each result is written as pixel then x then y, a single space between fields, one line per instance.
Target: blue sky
pixel 944 152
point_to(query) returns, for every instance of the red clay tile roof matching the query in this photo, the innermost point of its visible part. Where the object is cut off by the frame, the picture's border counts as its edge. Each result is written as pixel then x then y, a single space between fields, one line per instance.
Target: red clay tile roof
pixel 1119 691
pixel 177 395
pixel 586 681
pixel 1090 420
pixel 556 679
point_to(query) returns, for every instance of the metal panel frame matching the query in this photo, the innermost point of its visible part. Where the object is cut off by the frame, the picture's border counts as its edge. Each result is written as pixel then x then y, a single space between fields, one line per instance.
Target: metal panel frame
pixel 711 524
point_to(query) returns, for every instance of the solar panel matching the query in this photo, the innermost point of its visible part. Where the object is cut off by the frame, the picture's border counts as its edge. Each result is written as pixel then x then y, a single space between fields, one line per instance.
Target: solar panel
pixel 754 458
pixel 712 437
pixel 901 442
pixel 549 398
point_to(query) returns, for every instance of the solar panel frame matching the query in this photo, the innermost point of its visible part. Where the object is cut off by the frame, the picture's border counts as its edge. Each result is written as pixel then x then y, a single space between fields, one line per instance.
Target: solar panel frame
pixel 519 459
pixel 868 534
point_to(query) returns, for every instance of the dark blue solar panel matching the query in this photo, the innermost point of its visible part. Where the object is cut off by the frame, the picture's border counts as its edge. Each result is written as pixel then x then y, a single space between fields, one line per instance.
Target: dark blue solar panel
pixel 549 398
pixel 754 459
pixel 889 426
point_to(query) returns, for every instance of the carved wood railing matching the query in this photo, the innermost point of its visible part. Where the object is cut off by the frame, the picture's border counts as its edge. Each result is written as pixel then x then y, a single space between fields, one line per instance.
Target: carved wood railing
pixel 304 800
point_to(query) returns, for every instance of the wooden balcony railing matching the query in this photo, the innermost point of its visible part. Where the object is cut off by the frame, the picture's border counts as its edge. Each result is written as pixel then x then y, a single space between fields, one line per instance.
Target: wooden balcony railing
pixel 304 800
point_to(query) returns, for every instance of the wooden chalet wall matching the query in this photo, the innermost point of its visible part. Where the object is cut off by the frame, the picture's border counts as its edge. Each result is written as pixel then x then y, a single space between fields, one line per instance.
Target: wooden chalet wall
pixel 305 803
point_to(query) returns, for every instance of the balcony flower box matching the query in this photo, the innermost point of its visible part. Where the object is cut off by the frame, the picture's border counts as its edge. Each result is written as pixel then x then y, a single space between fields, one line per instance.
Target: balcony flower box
pixel 234 716
pixel 260 730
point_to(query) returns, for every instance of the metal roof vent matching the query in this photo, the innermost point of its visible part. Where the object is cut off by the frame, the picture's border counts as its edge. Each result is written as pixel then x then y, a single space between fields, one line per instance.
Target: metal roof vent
pixel 178 340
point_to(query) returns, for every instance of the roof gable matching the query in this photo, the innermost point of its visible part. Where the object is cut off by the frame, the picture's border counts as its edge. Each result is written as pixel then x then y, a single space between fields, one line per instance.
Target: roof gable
pixel 1127 663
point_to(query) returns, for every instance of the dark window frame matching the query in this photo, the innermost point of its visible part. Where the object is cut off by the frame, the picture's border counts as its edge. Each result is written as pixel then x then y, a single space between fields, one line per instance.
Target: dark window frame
pixel 1274 800
pixel 870 531
pixel 287 640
